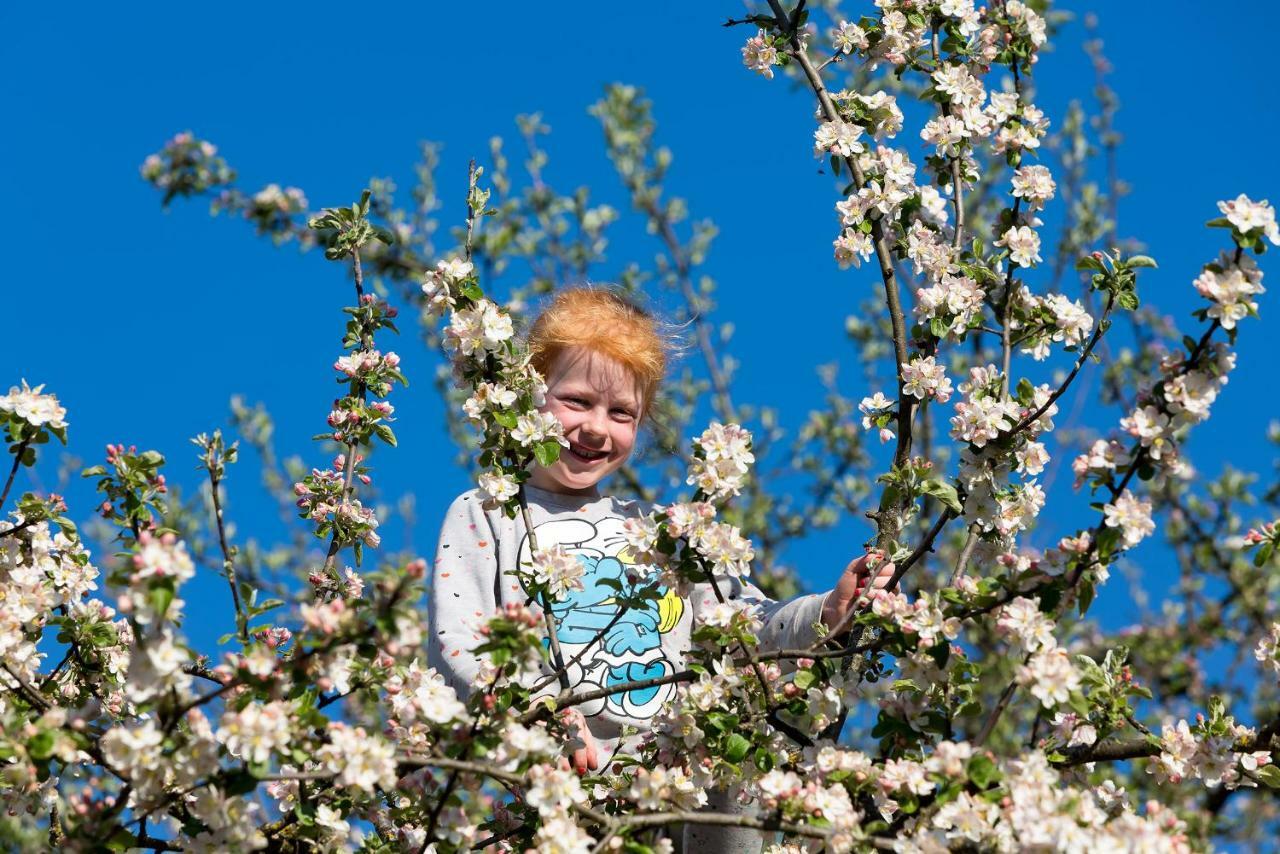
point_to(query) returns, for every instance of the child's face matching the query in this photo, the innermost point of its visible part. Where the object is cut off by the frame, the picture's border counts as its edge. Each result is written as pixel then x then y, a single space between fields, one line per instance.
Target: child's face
pixel 599 403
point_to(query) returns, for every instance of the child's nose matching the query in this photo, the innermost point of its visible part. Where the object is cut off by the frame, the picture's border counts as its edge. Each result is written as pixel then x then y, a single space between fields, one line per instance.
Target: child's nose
pixel 594 423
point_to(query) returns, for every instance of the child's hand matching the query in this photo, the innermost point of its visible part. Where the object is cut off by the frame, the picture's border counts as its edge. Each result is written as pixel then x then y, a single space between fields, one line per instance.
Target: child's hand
pixel 852 585
pixel 586 753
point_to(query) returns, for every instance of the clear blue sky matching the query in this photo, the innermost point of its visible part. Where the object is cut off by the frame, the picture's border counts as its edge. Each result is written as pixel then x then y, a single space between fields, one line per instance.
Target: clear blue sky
pixel 145 323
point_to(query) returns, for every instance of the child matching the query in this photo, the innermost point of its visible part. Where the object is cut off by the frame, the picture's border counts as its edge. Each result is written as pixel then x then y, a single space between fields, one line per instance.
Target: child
pixel 603 359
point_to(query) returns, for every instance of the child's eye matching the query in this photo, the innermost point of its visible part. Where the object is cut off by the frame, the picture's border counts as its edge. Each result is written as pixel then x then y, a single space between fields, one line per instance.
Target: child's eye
pixel 623 414
pixel 576 401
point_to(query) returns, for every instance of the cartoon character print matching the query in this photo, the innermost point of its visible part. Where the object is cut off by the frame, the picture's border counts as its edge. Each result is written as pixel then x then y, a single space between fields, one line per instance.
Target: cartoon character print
pixel 630 649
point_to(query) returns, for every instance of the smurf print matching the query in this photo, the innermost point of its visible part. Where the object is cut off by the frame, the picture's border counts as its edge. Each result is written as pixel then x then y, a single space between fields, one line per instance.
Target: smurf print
pixel 631 648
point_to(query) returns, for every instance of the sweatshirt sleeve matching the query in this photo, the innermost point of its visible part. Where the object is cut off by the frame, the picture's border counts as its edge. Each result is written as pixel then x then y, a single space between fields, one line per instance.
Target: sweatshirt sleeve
pixel 462 592
pixel 786 625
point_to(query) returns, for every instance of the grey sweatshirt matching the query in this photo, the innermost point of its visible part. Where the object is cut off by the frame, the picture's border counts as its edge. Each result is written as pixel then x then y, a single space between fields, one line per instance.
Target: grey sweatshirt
pixel 472 578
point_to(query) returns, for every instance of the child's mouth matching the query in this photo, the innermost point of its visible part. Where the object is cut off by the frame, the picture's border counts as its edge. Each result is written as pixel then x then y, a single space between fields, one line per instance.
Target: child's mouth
pixel 583 455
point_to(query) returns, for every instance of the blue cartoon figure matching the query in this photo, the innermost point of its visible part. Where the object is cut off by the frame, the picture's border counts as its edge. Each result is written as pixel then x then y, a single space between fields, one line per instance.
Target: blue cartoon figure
pixel 631 648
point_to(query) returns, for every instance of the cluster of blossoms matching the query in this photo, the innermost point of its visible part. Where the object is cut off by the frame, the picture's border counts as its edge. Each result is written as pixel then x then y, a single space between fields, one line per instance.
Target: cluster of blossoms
pixel 760 54
pixel 1267 652
pixel 324 497
pixel 557 571
pixel 505 389
pixel 34 409
pixel 1207 752
pixel 924 379
pixel 951 306
pixel 1251 219
pixel 1131 516
pixel 41 571
pixel 711 548
pixel 721 461
pixel 370 367
pixel 1040 810
pixel 186 166
pixel 1040 321
pixel 878 413
pixel 1231 286
pixel 273 209
pixel 984 420
pixel 922 618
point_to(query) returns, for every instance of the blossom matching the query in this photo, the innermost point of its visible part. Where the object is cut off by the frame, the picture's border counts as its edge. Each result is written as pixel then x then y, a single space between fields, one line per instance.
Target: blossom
pixel 724 546
pixel 760 55
pixel 421 693
pixel 848 37
pixel 839 138
pixel 924 378
pixel 661 787
pixel 1034 184
pixel 496 488
pixel 558 570
pixel 1267 652
pixel 1151 427
pixel 1023 619
pixel 1023 245
pixel 358 759
pixel 1231 287
pixel 1246 215
pixel 559 834
pixel 946 133
pixel 454 269
pixel 906 774
pixel 721 461
pixel 958 84
pixel 37 409
pixel 553 790
pixel 482 328
pixel 1051 676
pixel 877 409
pixel 853 247
pixel 253 733
pixel 161 557
pixel 955 301
pixel 1132 516
pixel 534 427
pixel 1072 321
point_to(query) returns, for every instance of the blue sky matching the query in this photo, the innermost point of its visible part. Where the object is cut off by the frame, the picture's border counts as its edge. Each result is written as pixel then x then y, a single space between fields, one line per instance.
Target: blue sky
pixel 145 322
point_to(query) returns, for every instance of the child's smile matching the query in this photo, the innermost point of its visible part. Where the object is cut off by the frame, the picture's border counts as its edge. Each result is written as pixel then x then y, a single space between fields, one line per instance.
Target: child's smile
pixel 599 404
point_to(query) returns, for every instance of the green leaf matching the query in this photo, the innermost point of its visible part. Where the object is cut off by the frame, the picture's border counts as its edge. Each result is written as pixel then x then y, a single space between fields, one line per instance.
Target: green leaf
pixel 736 748
pixel 1141 261
pixel 547 452
pixel 1127 300
pixel 160 597
pixel 944 492
pixel 1088 262
pixel 1270 775
pixel 122 840
pixel 385 434
pixel 982 771
pixel 41 747
pixel 1087 591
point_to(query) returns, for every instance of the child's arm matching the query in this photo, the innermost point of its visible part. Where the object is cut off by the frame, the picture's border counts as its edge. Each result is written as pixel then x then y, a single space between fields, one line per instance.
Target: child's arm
pixel 462 592
pixel 790 624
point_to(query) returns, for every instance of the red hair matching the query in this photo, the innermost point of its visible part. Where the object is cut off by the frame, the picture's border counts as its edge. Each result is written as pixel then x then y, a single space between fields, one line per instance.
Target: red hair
pixel 602 322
